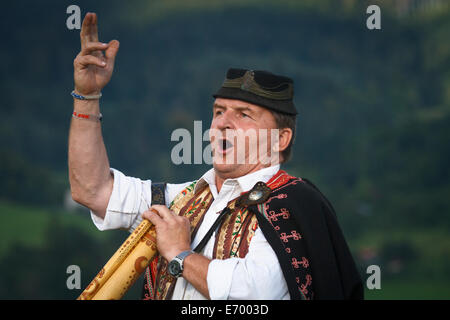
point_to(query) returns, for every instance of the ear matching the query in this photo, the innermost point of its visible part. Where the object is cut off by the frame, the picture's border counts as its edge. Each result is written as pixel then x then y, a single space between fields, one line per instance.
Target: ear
pixel 284 138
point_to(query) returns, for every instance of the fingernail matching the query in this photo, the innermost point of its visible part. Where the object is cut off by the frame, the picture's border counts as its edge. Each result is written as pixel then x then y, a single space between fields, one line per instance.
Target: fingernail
pixel 103 63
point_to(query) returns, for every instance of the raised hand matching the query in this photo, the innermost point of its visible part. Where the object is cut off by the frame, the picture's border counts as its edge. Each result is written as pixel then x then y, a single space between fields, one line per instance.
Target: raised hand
pixel 92 67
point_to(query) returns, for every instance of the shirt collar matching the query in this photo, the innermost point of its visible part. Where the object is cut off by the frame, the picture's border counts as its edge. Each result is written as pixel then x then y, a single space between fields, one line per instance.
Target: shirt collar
pixel 245 182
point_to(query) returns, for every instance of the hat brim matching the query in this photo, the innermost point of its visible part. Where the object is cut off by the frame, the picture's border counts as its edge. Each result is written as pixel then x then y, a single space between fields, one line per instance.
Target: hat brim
pixel 283 106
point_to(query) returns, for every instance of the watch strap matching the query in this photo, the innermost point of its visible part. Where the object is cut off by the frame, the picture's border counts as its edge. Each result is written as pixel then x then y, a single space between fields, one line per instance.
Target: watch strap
pixel 181 256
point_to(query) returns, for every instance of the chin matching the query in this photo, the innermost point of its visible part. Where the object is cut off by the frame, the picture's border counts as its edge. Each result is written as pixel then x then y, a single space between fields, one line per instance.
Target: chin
pixel 225 168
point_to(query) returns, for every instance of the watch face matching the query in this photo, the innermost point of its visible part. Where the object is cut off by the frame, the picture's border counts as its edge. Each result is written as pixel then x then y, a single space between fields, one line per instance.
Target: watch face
pixel 174 268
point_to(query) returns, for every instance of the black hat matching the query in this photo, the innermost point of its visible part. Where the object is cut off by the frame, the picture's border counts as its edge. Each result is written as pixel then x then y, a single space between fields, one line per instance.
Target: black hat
pixel 259 87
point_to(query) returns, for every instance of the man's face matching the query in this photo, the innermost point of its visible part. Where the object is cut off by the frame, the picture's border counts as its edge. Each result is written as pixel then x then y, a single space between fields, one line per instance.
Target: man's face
pixel 242 137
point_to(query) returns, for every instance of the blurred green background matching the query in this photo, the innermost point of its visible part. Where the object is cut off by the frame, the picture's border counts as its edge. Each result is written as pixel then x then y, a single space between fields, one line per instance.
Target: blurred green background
pixel 373 131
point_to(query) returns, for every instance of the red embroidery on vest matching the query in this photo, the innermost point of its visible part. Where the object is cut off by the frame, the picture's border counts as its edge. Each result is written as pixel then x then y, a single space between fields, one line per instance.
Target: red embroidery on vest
pixel 303 287
pixel 278 196
pixel 279 179
pixel 274 216
pixel 294 235
pixel 280 219
pixel 296 263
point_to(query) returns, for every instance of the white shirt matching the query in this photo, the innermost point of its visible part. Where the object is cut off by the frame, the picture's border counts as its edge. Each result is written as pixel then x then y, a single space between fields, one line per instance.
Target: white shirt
pixel 256 276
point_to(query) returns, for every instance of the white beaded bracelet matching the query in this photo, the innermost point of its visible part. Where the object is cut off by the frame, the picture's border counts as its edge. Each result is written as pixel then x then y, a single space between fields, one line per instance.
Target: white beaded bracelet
pixel 80 97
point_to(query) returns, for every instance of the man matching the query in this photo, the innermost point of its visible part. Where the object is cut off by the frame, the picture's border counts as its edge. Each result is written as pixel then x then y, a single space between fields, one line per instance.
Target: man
pixel 258 233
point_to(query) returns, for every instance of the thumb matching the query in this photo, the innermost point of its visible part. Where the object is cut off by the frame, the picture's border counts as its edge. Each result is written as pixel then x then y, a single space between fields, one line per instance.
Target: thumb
pixel 111 52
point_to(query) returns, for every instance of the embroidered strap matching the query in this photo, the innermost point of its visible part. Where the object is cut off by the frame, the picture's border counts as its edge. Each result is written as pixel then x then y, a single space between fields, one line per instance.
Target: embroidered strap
pixel 192 206
pixel 158 197
pixel 158 193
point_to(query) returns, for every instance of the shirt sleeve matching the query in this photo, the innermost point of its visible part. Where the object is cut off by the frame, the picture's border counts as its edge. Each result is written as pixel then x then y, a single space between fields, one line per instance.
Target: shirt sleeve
pixel 256 276
pixel 130 197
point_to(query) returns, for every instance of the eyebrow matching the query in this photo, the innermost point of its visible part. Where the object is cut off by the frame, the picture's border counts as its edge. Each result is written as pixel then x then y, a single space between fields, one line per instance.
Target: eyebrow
pixel 218 106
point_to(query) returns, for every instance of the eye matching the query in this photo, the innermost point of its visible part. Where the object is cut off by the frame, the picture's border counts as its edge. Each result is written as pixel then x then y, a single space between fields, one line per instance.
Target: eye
pixel 245 115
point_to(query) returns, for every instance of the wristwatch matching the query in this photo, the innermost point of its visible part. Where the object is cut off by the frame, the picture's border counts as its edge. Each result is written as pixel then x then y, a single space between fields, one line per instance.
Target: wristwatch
pixel 176 265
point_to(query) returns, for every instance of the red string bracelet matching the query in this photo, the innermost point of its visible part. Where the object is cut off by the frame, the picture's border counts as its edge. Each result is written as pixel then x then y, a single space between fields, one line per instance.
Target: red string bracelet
pixel 92 117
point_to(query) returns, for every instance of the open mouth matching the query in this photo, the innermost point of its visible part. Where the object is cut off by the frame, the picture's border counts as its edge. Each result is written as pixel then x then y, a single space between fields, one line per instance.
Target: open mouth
pixel 225 145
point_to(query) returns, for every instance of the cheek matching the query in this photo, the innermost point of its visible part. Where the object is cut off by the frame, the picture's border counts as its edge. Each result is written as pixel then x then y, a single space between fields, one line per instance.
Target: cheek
pixel 213 124
pixel 267 139
pixel 215 136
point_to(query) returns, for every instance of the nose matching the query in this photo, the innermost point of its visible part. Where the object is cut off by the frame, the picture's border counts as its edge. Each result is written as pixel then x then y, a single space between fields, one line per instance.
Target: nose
pixel 224 121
